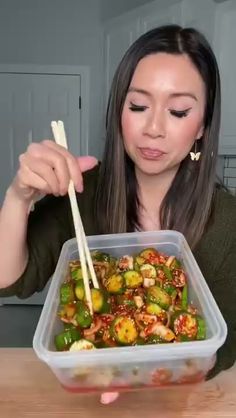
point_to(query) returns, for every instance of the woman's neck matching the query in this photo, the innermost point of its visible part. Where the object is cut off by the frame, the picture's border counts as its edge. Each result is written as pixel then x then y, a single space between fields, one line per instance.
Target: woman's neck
pixel 152 190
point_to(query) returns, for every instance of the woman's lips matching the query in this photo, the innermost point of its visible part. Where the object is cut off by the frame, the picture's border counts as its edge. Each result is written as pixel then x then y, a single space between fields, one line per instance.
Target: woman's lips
pixel 151 154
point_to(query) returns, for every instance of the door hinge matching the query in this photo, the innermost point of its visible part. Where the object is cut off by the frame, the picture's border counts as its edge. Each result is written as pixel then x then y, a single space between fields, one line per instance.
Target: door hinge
pixel 80 102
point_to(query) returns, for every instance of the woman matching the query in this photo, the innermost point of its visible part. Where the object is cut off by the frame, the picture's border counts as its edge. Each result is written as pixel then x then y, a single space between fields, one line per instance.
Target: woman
pixel 158 172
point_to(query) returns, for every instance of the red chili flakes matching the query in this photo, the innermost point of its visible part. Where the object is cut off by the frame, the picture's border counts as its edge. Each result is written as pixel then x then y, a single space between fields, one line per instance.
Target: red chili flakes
pixel 162 259
pixel 153 259
pixel 161 376
pixel 179 278
pixel 185 325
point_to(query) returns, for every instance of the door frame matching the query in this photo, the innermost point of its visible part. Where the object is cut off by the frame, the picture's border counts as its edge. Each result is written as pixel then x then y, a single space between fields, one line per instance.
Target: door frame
pixel 81 70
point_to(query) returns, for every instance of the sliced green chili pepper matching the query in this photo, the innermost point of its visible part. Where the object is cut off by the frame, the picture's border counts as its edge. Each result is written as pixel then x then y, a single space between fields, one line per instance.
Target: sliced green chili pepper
pixel 201 332
pixel 183 338
pixel 169 288
pixel 167 273
pixel 112 266
pixel 176 264
pixel 159 266
pixel 184 302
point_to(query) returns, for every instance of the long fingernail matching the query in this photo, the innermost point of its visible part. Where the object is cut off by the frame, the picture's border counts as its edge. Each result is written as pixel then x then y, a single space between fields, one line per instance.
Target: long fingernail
pixel 80 188
pixel 109 397
pixel 63 192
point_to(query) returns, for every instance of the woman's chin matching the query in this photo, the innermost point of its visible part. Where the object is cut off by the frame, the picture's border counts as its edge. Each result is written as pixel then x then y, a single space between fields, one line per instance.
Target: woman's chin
pixel 149 167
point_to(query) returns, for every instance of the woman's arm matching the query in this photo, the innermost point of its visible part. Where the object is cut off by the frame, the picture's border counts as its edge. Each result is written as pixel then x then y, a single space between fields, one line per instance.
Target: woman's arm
pixel 13 248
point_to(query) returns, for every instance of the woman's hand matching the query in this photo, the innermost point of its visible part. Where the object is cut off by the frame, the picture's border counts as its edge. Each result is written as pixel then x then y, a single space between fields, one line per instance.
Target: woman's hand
pixel 109 397
pixel 46 168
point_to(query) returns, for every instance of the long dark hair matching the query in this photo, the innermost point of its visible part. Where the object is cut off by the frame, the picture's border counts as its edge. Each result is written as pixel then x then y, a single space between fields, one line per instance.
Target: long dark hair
pixel 187 204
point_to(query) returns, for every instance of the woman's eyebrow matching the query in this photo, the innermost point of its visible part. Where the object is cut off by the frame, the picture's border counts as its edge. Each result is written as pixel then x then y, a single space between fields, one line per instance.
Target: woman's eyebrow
pixel 137 90
pixel 172 95
pixel 183 93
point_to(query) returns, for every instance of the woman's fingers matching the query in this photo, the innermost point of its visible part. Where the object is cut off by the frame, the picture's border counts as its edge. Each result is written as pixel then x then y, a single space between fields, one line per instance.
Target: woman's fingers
pixel 28 184
pixel 39 175
pixel 48 167
pixel 75 169
pixel 87 163
pixel 109 397
pixel 55 159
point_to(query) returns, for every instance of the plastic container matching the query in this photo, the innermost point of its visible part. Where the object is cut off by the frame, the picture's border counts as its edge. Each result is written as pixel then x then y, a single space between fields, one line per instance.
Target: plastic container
pixel 125 368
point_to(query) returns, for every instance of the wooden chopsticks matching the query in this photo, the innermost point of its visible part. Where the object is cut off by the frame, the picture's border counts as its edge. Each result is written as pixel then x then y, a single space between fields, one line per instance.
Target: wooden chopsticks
pixel 85 257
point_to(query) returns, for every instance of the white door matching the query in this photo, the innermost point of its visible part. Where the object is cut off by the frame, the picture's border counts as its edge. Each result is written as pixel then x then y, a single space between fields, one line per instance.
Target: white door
pixel 28 104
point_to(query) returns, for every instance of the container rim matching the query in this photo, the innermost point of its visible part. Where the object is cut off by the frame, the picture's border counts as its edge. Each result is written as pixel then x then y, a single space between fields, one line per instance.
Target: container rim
pixel 127 354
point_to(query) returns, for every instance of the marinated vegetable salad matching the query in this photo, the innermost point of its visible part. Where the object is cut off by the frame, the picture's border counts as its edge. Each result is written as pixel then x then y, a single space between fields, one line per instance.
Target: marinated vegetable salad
pixel 142 299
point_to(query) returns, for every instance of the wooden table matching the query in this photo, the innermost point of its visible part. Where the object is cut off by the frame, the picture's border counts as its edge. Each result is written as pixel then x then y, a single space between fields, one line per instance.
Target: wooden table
pixel 29 389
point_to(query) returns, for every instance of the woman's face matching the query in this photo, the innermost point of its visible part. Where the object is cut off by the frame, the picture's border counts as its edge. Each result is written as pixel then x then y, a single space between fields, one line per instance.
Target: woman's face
pixel 163 112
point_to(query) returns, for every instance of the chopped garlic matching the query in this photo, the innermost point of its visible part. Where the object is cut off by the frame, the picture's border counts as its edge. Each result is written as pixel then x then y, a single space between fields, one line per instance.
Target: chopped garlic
pixel 147 282
pixel 138 301
pixel 170 260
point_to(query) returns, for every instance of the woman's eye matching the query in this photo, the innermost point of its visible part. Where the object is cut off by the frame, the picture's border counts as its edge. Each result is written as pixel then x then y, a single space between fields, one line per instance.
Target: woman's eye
pixel 136 108
pixel 179 113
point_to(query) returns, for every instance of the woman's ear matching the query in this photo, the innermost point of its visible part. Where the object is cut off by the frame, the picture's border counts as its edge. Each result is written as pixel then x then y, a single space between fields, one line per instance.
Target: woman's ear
pixel 200 133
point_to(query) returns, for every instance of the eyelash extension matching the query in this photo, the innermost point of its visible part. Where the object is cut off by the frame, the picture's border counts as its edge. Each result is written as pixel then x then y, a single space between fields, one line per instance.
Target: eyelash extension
pixel 136 108
pixel 176 113
pixel 180 113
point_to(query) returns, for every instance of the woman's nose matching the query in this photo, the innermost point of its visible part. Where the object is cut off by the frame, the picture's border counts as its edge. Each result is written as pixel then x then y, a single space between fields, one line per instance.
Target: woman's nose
pixel 155 126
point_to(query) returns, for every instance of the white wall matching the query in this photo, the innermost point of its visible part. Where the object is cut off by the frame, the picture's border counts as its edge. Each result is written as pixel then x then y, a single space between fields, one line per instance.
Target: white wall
pixel 56 32
pixel 201 15
pixel 113 8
